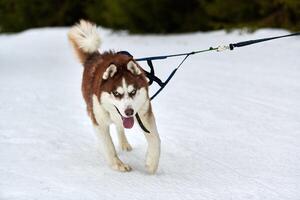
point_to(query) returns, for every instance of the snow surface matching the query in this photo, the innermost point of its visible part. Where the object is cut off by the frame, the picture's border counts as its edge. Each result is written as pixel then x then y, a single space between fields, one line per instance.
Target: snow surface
pixel 229 122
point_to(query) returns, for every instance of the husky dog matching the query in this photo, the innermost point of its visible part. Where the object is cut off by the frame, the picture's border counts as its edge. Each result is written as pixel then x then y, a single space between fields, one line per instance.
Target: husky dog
pixel 115 89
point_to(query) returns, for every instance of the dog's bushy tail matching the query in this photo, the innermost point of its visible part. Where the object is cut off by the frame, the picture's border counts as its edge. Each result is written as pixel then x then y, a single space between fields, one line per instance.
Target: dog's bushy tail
pixel 85 39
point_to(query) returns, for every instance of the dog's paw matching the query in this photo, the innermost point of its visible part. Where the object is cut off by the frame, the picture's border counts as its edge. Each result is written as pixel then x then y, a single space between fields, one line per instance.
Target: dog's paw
pixel 126 146
pixel 152 163
pixel 120 166
pixel 151 169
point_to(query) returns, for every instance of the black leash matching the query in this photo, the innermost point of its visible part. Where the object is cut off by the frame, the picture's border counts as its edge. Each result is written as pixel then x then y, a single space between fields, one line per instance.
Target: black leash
pixel 249 42
pixel 153 78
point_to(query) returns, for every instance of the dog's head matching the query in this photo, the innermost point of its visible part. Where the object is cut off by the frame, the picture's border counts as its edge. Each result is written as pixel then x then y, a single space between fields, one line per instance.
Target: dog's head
pixel 124 86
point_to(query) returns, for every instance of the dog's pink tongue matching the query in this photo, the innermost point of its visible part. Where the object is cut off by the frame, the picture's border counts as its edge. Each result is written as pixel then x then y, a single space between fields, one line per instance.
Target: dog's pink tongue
pixel 128 122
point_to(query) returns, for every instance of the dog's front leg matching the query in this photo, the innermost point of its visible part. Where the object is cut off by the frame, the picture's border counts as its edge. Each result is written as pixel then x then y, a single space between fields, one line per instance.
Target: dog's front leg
pixel 153 151
pixel 109 151
pixel 124 144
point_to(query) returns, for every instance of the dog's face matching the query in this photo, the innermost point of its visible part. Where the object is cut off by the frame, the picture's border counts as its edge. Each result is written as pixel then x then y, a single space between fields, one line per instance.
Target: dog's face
pixel 125 88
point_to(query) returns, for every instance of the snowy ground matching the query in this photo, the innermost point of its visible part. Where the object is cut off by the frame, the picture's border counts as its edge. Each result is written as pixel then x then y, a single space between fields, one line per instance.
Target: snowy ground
pixel 229 122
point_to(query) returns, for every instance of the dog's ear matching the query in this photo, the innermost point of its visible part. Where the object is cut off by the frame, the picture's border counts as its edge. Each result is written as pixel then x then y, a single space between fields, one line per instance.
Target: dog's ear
pixel 109 72
pixel 133 68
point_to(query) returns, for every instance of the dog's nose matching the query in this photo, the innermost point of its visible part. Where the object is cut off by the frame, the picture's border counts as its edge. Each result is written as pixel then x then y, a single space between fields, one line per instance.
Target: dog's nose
pixel 129 112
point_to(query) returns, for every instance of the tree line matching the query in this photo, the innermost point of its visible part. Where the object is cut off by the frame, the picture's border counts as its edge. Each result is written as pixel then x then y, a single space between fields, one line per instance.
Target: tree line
pixel 152 16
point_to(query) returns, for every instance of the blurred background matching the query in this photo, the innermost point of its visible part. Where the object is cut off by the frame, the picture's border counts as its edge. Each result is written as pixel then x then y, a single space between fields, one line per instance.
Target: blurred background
pixel 152 16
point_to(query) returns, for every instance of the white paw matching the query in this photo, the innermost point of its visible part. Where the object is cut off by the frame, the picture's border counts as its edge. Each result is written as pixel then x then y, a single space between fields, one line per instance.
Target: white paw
pixel 151 169
pixel 126 146
pixel 152 161
pixel 151 165
pixel 120 166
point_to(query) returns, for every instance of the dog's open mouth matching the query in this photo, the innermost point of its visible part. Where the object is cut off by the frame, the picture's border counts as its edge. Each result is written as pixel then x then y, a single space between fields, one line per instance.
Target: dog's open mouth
pixel 127 122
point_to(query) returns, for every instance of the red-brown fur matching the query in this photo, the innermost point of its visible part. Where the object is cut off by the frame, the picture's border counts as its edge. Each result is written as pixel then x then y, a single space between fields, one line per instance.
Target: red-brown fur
pixel 103 74
pixel 95 65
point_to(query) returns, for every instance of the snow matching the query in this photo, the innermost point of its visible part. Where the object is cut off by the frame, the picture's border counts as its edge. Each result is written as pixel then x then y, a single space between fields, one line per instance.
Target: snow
pixel 229 122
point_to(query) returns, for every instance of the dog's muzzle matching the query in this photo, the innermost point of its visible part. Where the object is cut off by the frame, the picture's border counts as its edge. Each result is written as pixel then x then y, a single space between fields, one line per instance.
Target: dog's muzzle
pixel 128 121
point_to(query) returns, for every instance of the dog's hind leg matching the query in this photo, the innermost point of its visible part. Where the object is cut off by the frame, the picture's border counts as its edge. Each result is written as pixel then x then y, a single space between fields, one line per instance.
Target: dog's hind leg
pixel 109 151
pixel 123 142
pixel 153 151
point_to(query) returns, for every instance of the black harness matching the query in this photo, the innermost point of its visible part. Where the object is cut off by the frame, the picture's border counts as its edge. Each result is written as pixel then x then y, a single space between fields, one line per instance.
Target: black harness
pixel 162 84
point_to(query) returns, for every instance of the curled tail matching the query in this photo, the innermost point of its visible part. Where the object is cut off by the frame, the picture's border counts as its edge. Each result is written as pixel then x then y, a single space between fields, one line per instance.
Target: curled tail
pixel 85 39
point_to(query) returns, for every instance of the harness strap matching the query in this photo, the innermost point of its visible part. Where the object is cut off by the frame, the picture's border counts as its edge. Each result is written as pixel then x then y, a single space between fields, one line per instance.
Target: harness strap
pixel 163 84
pixel 151 75
pixel 141 123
